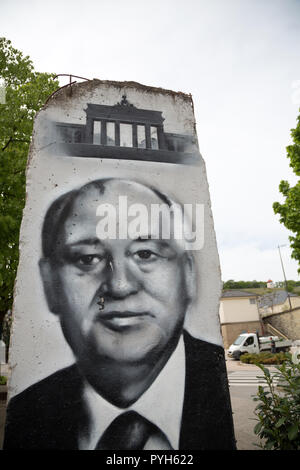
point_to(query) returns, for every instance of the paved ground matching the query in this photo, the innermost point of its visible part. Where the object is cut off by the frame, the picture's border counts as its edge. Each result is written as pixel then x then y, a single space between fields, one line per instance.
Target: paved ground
pixel 243 384
pixel 233 366
pixel 243 417
pixel 248 378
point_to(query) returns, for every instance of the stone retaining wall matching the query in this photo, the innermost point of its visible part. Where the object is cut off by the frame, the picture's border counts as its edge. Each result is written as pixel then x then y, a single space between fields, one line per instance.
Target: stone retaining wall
pixel 287 322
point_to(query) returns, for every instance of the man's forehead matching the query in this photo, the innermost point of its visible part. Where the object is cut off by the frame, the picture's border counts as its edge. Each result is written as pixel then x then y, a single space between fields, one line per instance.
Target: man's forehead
pixel 126 199
pixel 111 192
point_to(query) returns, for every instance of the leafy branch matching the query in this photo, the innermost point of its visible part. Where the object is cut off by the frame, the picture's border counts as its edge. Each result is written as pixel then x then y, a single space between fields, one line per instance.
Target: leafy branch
pixel 278 409
pixel 26 93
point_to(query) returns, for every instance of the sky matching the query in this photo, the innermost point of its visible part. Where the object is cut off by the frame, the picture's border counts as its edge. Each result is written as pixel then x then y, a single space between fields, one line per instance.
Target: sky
pixel 240 60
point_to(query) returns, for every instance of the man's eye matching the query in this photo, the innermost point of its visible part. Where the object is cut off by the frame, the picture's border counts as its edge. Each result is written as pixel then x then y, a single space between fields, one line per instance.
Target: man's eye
pixel 145 255
pixel 89 260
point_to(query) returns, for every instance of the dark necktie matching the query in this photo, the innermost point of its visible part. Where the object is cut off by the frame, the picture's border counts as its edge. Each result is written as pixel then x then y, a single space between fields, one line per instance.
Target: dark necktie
pixel 129 431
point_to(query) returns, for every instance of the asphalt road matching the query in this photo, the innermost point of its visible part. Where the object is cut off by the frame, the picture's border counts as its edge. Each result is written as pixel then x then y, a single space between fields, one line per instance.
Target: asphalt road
pixel 243 385
pixel 243 417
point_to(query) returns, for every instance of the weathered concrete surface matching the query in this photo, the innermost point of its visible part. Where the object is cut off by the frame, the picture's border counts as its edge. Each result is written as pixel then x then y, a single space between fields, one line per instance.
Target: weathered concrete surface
pixel 50 175
pixel 242 406
pixel 71 156
pixel 2 352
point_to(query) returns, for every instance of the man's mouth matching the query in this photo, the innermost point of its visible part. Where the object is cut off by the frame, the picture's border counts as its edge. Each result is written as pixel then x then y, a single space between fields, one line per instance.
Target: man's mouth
pixel 118 320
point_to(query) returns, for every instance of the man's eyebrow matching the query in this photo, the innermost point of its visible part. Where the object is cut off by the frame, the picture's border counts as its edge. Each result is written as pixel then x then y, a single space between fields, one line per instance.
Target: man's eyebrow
pixel 147 238
pixel 85 241
pixel 144 238
pixel 151 238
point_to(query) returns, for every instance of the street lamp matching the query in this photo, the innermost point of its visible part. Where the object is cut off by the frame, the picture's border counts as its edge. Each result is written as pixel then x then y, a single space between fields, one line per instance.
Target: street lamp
pixel 280 246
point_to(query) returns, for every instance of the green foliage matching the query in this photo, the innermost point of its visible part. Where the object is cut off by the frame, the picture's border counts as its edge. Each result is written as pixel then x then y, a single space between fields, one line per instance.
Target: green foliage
pixel 6 329
pixel 261 286
pixel 278 412
pixel 3 380
pixel 265 358
pixel 26 92
pixel 289 210
pixel 292 286
pixel 231 284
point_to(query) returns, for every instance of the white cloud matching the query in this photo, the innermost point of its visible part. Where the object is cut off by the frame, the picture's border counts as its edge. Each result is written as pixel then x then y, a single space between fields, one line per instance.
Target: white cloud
pixel 249 262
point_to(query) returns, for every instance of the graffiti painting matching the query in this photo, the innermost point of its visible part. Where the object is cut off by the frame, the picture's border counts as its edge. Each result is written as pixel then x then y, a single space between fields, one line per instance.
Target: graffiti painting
pixel 121 346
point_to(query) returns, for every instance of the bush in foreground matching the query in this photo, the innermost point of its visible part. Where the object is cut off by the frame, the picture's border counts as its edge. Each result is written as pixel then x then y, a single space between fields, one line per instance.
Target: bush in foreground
pixel 265 358
pixel 278 411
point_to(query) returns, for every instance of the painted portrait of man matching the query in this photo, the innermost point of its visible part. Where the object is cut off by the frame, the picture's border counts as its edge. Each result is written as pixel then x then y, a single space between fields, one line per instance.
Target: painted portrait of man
pixel 139 380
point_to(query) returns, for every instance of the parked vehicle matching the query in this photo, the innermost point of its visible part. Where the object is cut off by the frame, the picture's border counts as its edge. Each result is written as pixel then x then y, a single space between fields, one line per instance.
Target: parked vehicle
pixel 253 343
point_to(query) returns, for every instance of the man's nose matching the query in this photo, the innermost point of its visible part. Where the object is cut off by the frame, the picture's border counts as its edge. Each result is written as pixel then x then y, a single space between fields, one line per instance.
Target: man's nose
pixel 121 281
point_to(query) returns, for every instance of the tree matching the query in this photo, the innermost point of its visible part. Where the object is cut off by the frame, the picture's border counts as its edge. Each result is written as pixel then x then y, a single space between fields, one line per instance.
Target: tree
pixel 231 284
pixel 289 210
pixel 26 92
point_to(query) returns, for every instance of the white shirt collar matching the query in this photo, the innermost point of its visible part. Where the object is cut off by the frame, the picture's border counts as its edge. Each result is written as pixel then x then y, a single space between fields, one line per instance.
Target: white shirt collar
pixel 161 404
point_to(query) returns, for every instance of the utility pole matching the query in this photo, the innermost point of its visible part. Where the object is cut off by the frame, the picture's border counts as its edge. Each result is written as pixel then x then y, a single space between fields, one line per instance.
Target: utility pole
pixel 286 287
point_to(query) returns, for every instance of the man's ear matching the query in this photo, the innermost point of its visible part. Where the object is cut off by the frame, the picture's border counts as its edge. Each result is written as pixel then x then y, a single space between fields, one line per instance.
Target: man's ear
pixel 50 284
pixel 189 275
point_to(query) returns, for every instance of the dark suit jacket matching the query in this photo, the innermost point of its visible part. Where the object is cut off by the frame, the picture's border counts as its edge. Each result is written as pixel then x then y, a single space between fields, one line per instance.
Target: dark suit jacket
pixel 50 413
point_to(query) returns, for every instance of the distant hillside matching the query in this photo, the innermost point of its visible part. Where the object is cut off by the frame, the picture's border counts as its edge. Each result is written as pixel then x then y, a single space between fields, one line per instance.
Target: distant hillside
pixel 260 287
pixel 263 290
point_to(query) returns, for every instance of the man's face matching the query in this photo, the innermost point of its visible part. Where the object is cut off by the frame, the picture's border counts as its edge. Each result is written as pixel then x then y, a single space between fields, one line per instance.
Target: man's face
pixel 142 283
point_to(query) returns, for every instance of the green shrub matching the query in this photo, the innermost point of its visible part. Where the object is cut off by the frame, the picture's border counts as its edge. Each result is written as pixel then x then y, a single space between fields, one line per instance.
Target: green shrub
pixel 265 358
pixel 3 380
pixel 278 414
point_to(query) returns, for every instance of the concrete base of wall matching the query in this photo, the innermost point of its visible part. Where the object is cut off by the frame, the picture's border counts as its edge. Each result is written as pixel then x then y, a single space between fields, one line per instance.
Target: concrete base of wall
pixel 230 331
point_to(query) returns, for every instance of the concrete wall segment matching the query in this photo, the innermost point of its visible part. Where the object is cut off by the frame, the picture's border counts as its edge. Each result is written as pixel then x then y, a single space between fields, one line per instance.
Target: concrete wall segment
pixel 49 176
